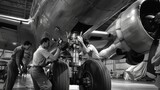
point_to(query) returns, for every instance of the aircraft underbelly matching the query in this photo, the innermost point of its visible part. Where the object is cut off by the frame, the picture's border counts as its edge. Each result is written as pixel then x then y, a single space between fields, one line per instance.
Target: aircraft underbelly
pixel 65 14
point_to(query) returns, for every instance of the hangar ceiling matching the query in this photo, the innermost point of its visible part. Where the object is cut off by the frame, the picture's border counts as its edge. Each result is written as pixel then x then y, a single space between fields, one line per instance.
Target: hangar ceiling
pixel 16 8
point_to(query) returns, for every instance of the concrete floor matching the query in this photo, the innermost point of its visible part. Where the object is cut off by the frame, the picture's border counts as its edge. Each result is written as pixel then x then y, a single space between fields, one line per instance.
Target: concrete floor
pixel 25 83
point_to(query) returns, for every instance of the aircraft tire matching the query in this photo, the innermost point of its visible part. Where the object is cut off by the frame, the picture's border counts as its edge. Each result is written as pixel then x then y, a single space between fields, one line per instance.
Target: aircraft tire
pixel 60 80
pixel 95 76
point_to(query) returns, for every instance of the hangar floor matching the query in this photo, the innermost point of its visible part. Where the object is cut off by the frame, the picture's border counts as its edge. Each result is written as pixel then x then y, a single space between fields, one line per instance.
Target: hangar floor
pixel 25 83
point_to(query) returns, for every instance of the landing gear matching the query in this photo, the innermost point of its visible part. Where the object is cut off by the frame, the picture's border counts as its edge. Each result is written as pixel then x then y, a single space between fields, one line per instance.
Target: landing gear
pixel 60 77
pixel 95 76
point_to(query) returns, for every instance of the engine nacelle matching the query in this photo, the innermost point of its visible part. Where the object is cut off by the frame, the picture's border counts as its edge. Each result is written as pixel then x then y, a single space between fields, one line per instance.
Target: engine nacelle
pixel 132 25
pixel 134 31
pixel 137 30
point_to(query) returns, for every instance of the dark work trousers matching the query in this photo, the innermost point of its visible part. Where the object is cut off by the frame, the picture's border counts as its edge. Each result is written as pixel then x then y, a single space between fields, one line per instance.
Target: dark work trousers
pixel 39 78
pixel 12 73
pixel 157 82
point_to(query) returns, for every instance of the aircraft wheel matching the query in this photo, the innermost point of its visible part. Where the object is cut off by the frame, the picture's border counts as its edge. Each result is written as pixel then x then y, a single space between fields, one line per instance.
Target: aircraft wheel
pixel 60 80
pixel 95 76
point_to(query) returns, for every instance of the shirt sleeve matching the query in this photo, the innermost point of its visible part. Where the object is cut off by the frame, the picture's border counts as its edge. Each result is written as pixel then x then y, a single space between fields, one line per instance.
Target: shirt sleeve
pixel 45 53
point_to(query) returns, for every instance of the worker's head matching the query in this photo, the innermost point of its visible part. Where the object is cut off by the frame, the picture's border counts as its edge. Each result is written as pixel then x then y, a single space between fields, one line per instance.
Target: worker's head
pixel 27 44
pixel 45 42
pixel 73 38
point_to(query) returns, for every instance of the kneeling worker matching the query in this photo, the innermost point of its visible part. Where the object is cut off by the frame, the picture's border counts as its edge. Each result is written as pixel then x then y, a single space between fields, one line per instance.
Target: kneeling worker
pixel 40 56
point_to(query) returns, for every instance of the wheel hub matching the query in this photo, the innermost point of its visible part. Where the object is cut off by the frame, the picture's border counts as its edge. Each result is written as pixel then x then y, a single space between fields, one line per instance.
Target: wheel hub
pixel 87 81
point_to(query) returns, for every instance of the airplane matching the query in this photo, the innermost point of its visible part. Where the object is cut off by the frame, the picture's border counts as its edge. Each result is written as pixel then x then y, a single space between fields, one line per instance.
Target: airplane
pixel 130 35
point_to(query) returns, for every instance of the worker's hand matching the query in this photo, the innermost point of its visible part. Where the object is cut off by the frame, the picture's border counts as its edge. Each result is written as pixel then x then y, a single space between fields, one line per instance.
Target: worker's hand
pixel 60 41
pixel 48 62
pixel 20 71
pixel 80 39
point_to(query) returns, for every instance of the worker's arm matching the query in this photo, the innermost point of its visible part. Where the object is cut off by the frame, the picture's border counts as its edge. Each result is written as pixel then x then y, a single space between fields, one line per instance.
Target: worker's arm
pixel 18 60
pixel 54 56
pixel 85 49
pixel 49 56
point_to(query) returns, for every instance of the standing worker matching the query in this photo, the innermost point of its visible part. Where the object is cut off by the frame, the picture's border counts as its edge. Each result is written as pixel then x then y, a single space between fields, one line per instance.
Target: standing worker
pixel 40 57
pixel 14 66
